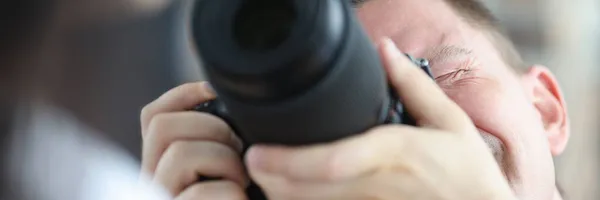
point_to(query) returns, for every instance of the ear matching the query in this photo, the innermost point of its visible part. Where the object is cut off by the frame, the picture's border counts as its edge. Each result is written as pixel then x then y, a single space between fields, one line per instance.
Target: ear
pixel 548 99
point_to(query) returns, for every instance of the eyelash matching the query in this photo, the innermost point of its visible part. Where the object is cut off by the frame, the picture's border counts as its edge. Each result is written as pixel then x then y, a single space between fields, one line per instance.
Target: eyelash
pixel 464 69
pixel 461 72
pixel 454 75
pixel 452 78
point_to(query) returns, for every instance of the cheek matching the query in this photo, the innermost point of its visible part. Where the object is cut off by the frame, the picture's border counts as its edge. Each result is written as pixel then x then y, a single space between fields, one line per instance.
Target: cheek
pixel 501 111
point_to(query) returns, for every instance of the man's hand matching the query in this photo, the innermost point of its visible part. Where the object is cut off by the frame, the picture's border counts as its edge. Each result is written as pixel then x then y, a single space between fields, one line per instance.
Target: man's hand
pixel 181 145
pixel 443 159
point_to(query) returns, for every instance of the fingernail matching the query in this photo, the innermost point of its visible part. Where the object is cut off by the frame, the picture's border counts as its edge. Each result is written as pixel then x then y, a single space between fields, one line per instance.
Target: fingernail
pixel 208 87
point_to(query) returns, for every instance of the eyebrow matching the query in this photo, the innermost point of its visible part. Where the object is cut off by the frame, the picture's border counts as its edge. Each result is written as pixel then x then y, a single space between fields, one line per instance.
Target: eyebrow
pixel 446 53
pixel 438 54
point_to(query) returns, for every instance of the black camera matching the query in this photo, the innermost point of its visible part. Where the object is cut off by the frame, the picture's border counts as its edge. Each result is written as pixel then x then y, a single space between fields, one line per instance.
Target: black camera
pixel 293 72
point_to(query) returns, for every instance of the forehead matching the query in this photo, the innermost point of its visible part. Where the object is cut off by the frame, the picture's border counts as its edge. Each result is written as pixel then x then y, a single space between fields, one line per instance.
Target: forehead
pixel 415 25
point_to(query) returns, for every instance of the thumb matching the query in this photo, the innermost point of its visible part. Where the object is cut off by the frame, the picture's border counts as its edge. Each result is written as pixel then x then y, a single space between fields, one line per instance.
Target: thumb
pixel 421 96
pixel 343 160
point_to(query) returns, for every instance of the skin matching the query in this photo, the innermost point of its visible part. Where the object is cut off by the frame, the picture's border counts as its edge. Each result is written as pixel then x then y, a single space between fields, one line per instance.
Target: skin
pixel 522 116
pixel 503 127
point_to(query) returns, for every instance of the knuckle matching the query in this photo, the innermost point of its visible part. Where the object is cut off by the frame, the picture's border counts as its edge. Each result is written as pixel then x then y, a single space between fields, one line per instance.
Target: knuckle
pixel 216 129
pixel 146 112
pixel 221 151
pixel 177 149
pixel 158 125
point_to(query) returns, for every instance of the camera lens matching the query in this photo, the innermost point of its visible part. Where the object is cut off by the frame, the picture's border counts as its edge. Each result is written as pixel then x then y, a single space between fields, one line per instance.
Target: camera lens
pixel 267 51
pixel 262 25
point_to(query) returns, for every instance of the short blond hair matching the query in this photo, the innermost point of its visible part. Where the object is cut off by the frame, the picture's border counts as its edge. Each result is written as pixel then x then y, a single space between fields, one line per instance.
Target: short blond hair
pixel 479 16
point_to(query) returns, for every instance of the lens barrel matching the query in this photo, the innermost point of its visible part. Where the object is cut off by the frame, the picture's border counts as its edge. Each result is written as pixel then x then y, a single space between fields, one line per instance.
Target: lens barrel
pixel 291 72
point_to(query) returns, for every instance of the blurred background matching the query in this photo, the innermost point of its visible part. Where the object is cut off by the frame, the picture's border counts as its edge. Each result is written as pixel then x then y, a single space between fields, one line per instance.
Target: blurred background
pixel 101 47
pixel 565 36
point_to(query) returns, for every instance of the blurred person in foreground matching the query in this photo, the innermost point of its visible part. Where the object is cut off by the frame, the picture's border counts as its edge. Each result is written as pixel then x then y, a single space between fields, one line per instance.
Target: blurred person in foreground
pixel 45 152
pixel 488 130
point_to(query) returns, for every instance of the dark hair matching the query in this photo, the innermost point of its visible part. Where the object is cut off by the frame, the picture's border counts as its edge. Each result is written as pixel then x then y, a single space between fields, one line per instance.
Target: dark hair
pixel 479 16
pixel 471 10
pixel 474 11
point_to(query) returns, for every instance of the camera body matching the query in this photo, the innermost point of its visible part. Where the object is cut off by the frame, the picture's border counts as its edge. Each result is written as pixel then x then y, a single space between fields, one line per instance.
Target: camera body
pixel 391 112
pixel 293 72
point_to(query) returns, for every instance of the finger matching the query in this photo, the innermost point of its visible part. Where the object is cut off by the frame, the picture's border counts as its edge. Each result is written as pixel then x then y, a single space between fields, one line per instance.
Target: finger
pixel 343 160
pixel 182 98
pixel 185 161
pixel 423 99
pixel 214 190
pixel 277 187
pixel 402 185
pixel 167 128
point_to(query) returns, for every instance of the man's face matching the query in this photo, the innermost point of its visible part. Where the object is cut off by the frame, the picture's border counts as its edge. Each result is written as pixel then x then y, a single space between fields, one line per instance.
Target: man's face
pixel 469 68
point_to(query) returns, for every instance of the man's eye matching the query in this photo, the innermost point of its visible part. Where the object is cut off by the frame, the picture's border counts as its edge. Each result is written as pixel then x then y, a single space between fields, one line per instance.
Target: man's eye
pixel 452 76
